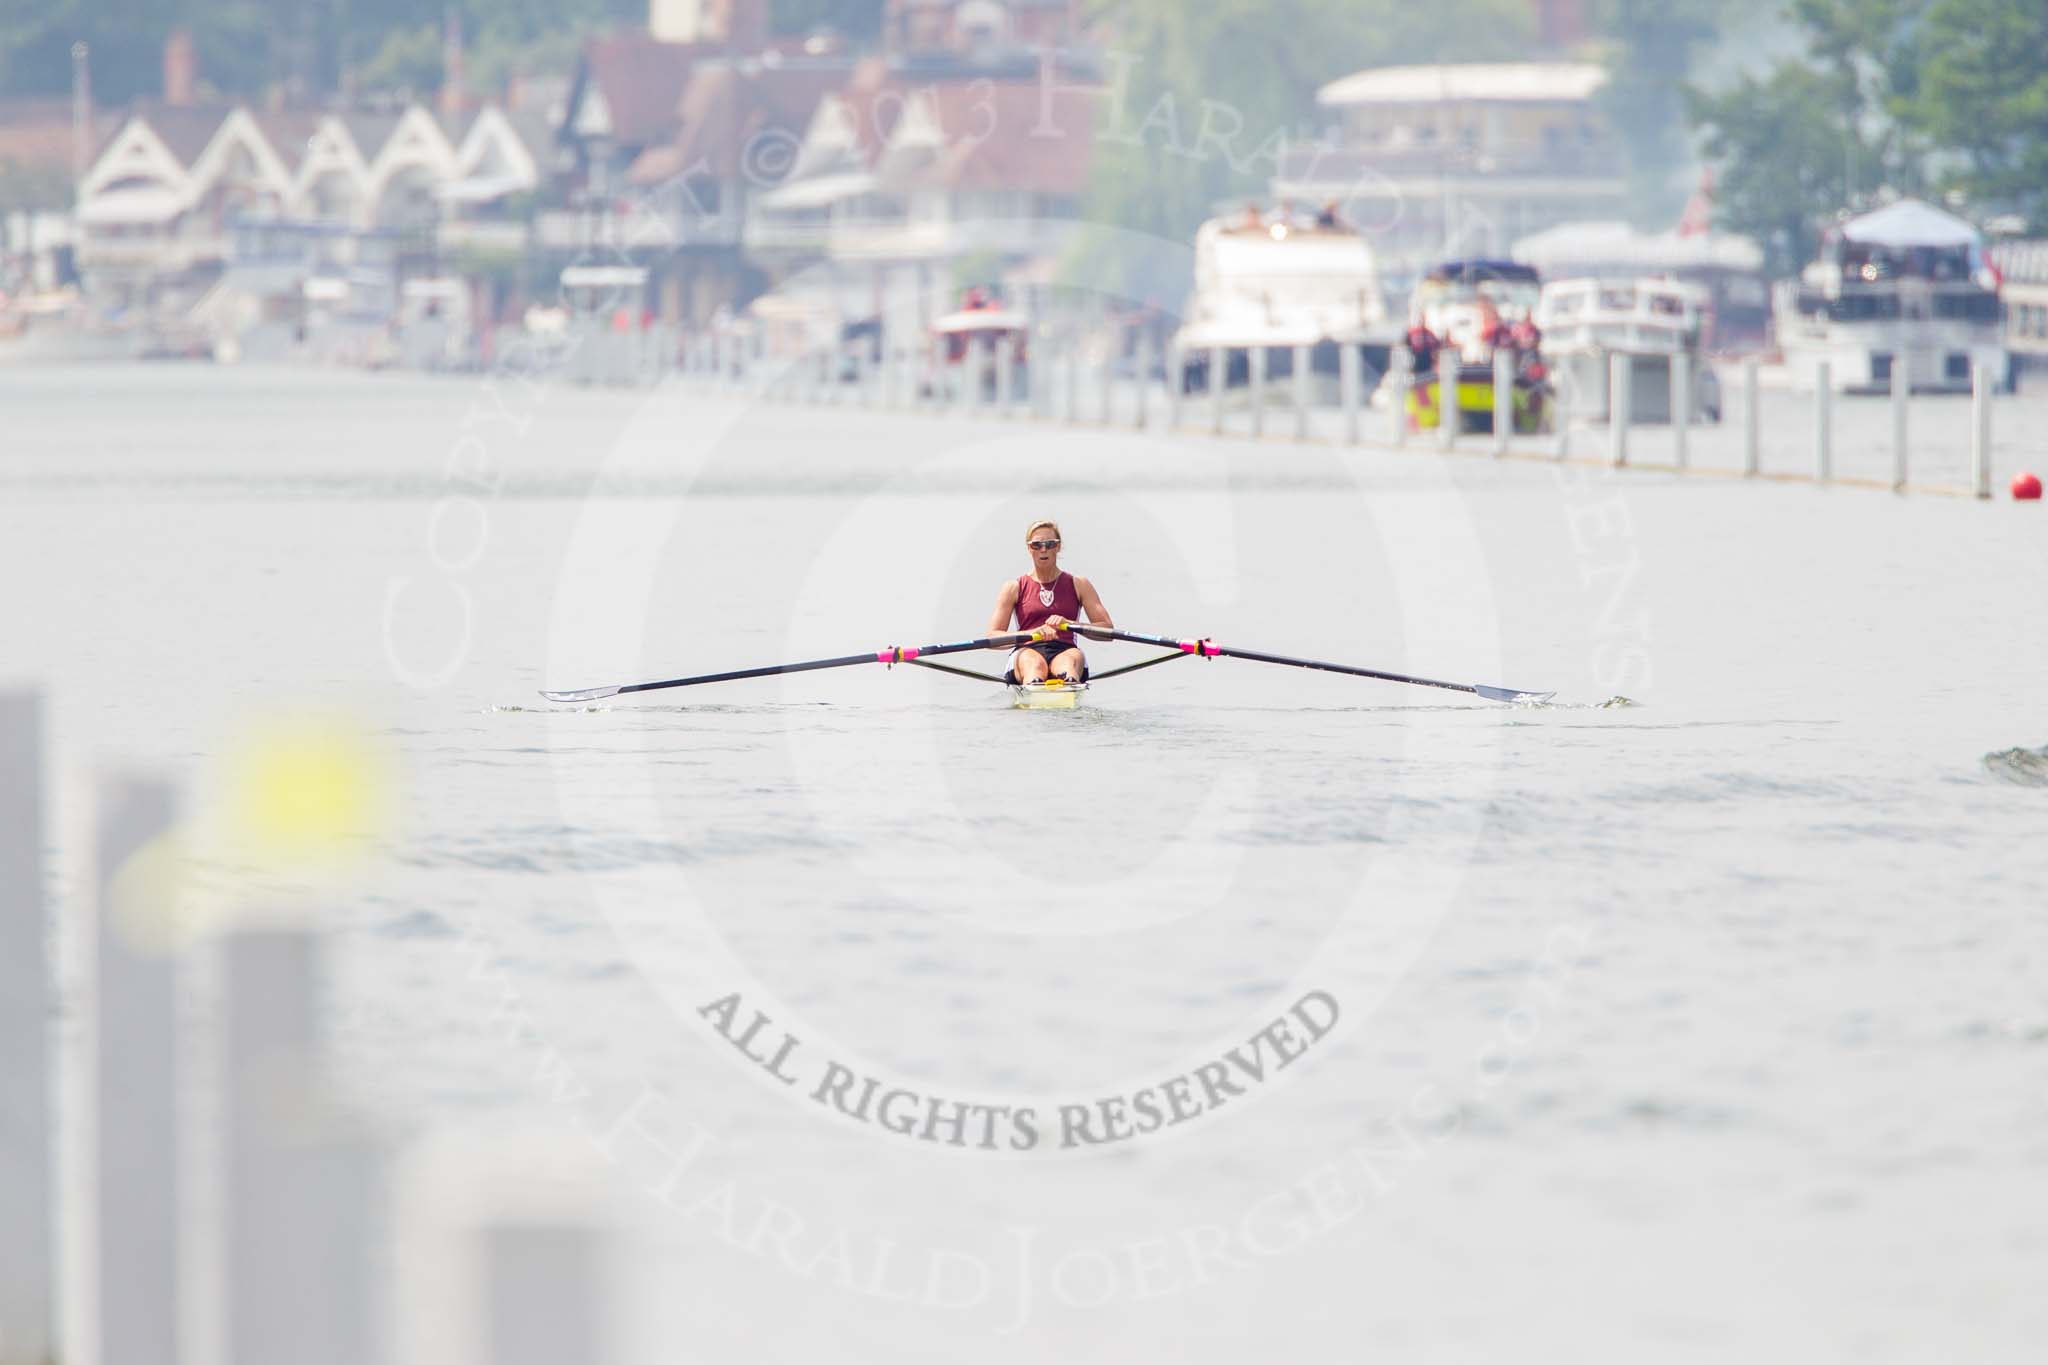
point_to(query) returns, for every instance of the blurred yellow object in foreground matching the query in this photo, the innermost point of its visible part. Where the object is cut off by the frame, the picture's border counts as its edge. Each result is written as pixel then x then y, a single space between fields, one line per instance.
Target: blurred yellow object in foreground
pixel 306 788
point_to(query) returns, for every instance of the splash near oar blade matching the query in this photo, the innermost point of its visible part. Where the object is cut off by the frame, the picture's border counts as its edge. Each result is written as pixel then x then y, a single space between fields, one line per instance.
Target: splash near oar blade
pixel 1209 649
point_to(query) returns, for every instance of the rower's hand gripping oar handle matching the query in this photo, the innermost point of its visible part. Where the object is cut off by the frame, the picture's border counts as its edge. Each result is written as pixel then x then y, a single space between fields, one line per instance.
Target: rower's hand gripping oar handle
pixel 1203 648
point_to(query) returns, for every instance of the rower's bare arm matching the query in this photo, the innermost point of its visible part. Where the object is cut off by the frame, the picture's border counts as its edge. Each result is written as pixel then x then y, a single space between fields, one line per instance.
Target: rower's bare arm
pixel 1091 602
pixel 1006 608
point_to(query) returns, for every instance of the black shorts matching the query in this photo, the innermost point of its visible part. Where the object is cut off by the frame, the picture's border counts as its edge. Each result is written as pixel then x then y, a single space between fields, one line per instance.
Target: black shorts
pixel 1048 650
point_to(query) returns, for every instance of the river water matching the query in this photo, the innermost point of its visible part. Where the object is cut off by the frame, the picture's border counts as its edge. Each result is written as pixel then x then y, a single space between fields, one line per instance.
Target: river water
pixel 1695 1016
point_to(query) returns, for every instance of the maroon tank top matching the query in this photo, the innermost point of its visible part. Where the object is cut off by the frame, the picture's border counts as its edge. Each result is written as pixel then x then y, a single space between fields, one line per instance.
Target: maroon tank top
pixel 1033 607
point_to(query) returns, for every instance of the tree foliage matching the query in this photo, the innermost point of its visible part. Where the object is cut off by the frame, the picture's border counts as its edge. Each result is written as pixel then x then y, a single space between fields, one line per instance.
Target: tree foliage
pixel 1650 48
pixel 1786 154
pixel 1980 91
pixel 1890 96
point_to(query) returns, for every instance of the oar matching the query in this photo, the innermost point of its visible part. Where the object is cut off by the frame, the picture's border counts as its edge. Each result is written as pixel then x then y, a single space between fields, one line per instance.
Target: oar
pixel 894 654
pixel 1212 650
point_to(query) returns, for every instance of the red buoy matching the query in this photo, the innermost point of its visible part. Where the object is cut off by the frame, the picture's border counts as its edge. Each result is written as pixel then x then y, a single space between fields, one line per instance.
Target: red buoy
pixel 2026 487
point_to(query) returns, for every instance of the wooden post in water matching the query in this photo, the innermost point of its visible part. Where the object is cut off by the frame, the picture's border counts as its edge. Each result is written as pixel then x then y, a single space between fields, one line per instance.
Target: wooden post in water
pixel 1980 429
pixel 1752 421
pixel 1350 361
pixel 1004 359
pixel 1256 387
pixel 1142 367
pixel 135 1277
pixel 1823 423
pixel 1450 413
pixel 1404 385
pixel 1621 405
pixel 1299 358
pixel 1176 376
pixel 27 997
pixel 1106 378
pixel 1681 409
pixel 1219 373
pixel 1564 402
pixel 1503 399
pixel 1902 386
pixel 1072 351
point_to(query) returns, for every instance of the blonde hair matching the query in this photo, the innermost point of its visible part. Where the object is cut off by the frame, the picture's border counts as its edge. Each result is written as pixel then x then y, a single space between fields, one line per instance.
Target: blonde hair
pixel 1044 521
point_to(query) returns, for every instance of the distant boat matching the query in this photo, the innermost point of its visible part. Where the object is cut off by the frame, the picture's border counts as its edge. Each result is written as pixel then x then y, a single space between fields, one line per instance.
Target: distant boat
pixel 1476 309
pixel 1907 287
pixel 972 337
pixel 1585 322
pixel 1280 281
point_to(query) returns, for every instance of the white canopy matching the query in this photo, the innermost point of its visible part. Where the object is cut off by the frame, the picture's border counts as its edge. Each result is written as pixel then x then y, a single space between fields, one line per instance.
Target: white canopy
pixel 1911 223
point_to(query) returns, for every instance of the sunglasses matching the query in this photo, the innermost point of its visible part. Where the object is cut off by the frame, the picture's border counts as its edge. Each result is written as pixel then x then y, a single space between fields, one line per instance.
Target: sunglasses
pixel 1043 544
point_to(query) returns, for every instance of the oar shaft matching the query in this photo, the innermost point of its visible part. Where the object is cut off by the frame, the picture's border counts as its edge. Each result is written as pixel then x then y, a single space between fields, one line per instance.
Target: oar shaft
pixel 738 674
pixel 894 654
pixel 1355 672
pixel 1212 650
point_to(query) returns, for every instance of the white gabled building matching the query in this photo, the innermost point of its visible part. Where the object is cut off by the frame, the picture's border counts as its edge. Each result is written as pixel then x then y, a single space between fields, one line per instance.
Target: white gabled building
pixel 164 195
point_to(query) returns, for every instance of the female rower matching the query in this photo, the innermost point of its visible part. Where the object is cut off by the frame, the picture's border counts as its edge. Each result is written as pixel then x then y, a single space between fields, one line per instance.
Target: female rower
pixel 1046 598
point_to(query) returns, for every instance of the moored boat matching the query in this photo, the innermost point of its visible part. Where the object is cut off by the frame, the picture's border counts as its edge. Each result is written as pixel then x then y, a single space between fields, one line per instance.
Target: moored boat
pixel 977 341
pixel 1477 309
pixel 1653 322
pixel 1275 281
pixel 1905 288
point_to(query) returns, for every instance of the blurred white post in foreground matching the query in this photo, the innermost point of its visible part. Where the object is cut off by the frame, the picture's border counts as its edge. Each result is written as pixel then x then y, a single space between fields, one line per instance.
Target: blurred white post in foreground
pixel 510 1254
pixel 133 1276
pixel 298 1180
pixel 26 1312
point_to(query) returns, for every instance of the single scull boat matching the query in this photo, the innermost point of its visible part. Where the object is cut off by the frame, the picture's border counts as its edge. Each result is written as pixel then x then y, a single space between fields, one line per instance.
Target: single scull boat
pixel 1052 694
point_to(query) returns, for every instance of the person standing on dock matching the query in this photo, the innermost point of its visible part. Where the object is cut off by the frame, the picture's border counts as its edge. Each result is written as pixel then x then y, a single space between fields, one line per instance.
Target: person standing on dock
pixel 1046 598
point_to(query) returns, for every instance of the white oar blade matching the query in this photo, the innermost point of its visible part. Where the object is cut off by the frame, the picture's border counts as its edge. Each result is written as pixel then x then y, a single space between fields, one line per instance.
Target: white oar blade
pixel 587 694
pixel 1509 694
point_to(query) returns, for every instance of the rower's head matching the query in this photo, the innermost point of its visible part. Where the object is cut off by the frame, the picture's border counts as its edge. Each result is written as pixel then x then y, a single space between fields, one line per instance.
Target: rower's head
pixel 1042 539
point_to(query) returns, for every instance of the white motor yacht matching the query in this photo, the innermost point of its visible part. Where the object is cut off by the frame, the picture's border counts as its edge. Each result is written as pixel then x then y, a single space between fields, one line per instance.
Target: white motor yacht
pixel 1907 286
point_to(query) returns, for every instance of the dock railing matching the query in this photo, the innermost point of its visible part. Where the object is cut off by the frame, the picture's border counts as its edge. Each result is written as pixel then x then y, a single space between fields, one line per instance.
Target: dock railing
pixel 1723 419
